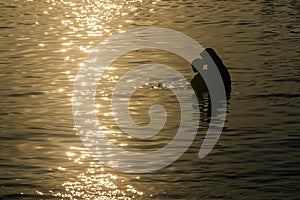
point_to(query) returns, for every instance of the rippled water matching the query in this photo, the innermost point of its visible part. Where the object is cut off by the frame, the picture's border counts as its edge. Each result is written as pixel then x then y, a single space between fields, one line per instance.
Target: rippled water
pixel 42 45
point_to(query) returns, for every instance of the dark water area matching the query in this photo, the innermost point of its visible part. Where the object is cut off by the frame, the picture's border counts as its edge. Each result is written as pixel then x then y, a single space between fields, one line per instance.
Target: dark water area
pixel 42 46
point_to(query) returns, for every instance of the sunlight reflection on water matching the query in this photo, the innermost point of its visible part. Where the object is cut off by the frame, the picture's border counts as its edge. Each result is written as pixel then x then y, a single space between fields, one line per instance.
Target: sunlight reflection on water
pixel 95 183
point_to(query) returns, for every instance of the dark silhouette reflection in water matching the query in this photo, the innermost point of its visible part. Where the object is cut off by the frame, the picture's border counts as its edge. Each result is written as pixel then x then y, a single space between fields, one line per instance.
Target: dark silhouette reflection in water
pixel 200 87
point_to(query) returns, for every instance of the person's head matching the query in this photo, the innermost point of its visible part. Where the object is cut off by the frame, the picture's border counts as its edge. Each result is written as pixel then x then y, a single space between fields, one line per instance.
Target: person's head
pixel 213 56
pixel 217 60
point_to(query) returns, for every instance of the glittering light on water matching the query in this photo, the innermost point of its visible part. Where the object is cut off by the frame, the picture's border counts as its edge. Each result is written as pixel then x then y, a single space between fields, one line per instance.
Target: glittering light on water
pixel 82 22
pixel 94 182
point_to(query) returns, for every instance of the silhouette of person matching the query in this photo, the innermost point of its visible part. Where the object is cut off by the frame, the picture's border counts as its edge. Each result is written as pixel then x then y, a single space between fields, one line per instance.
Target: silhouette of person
pixel 199 85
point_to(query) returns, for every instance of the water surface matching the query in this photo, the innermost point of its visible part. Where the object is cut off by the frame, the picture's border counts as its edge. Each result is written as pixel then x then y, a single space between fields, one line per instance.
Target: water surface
pixel 42 45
